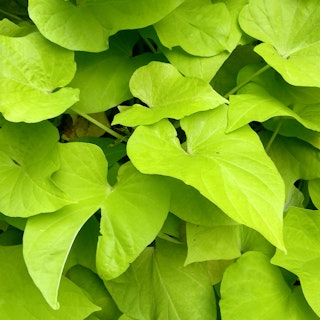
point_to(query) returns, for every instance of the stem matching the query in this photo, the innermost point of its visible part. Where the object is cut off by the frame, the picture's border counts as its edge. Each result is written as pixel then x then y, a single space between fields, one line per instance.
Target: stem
pixel 100 125
pixel 10 15
pixel 149 44
pixel 235 89
pixel 275 133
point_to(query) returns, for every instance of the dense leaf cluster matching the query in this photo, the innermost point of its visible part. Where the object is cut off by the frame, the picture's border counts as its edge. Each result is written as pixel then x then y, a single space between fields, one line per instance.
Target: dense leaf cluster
pixel 159 159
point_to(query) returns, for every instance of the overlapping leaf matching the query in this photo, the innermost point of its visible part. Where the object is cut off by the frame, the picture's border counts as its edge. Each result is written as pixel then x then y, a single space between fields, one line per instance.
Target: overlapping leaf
pixel 189 65
pixel 87 25
pixel 33 75
pixel 132 216
pixel 295 159
pixel 232 170
pixel 201 28
pixel 223 242
pixel 269 96
pixel 190 205
pixel 103 78
pixel 28 158
pixel 252 288
pixel 20 298
pixel 94 286
pixel 290 36
pixel 157 286
pixel 168 95
pixel 48 238
pixel 302 240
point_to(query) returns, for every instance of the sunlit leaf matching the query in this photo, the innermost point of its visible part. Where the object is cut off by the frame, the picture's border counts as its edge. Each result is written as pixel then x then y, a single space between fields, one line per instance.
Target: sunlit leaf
pixel 33 75
pixel 167 94
pixel 290 36
pixel 252 288
pixel 28 158
pixel 267 96
pixel 132 216
pixel 87 25
pixel 242 181
pixel 158 286
pixel 48 237
pixel 103 78
pixel 189 65
pixel 302 240
pixel 190 205
pixel 20 298
pixel 202 23
pixel 223 242
pixel 133 201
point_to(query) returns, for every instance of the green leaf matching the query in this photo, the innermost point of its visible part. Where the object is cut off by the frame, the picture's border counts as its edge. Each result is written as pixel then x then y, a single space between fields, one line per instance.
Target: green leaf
pixel 131 218
pixel 190 205
pixel 302 159
pixel 290 36
pixel 33 74
pixel 84 247
pixel 291 128
pixel 189 65
pixel 86 25
pixel 82 175
pixel 48 237
pixel 168 95
pixel 28 158
pixel 242 182
pixel 158 286
pixel 103 78
pixel 94 286
pixel 20 298
pixel 213 243
pixel 302 240
pixel 201 28
pixel 252 288
pixel 226 78
pixel 223 242
pixel 112 151
pixel 8 28
pixel 268 96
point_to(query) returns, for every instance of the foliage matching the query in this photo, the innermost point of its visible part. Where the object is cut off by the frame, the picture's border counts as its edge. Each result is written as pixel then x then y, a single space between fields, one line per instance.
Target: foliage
pixel 160 159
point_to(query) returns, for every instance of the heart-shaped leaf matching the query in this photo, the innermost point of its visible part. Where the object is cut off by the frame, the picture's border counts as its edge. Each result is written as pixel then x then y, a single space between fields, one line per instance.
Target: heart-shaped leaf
pixel 133 202
pixel 290 36
pixel 17 286
pixel 198 22
pixel 302 241
pixel 231 170
pixel 48 237
pixel 33 75
pixel 143 201
pixel 263 290
pixel 87 25
pixel 168 95
pixel 158 286
pixel 28 158
pixel 189 65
